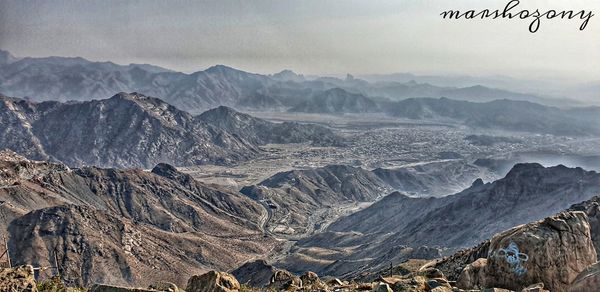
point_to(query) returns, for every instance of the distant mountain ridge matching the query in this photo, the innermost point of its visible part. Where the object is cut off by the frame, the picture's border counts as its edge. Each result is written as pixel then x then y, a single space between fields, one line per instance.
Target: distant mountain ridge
pixel 502 114
pixel 337 101
pixel 57 78
pixel 60 78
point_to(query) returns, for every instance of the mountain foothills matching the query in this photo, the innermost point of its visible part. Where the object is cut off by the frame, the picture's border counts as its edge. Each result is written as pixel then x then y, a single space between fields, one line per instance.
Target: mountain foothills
pixel 133 130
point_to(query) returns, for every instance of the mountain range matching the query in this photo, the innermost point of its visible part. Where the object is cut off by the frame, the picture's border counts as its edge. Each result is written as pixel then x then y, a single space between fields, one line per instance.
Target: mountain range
pixel 133 130
pixel 62 78
pixel 302 202
pixel 502 114
pixel 478 212
pixel 335 101
pixel 262 132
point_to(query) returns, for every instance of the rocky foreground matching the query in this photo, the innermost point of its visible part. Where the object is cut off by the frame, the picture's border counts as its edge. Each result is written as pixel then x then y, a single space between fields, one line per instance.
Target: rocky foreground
pixel 553 254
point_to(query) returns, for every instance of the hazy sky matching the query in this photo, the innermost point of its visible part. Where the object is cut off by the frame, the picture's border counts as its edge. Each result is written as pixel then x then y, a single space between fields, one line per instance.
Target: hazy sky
pixel 310 37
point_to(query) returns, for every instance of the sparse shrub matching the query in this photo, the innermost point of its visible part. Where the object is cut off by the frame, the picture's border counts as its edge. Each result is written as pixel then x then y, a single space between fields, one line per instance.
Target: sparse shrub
pixel 54 284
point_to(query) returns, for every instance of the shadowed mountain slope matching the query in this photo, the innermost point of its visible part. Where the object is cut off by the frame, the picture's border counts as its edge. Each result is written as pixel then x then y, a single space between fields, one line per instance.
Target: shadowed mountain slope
pixel 527 193
pixel 262 132
pixel 143 224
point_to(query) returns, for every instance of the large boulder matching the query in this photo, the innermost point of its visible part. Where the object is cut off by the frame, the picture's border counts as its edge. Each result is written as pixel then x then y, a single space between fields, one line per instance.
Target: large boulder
pixel 254 274
pixel 17 279
pixel 472 274
pixel 552 251
pixel 382 287
pixel 284 280
pixel 311 282
pixel 586 280
pixel 213 282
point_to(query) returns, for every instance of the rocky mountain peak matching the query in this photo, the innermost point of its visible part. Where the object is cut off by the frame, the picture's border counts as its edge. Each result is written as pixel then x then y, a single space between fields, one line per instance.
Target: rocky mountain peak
pixel 6 57
pixel 534 171
pixel 164 169
pixel 288 75
pixel 222 69
pixel 169 171
pixel 133 96
pixel 223 111
pixel 9 155
pixel 477 183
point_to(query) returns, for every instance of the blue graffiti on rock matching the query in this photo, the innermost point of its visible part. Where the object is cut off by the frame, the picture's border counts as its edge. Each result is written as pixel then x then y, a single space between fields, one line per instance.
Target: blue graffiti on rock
pixel 514 258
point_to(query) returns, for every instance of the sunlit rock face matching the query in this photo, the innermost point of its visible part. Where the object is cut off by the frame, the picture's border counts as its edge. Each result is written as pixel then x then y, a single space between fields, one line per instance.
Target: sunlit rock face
pixel 552 251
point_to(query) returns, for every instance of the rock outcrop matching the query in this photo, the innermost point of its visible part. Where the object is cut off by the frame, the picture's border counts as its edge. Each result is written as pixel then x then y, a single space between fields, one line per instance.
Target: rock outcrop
pixel 213 282
pixel 452 266
pixel 552 251
pixel 164 286
pixel 311 282
pixel 284 280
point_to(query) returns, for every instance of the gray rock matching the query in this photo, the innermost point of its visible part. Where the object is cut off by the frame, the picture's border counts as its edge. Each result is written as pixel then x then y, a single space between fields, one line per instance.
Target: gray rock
pixel 552 251
pixel 213 282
